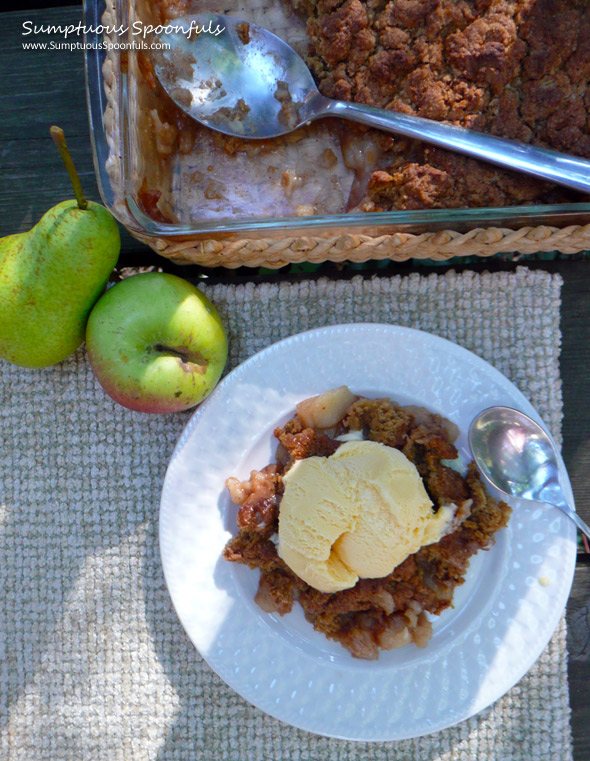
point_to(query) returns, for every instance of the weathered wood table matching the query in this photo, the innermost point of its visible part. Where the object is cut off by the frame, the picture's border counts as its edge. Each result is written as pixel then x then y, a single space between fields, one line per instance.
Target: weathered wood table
pixel 43 87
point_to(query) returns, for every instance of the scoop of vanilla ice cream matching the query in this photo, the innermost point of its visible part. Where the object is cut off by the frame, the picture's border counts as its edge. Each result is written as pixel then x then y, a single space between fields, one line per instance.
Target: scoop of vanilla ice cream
pixel 357 514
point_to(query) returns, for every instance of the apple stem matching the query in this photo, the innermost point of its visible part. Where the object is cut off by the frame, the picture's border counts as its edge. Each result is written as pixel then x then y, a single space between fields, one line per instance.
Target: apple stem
pixel 60 140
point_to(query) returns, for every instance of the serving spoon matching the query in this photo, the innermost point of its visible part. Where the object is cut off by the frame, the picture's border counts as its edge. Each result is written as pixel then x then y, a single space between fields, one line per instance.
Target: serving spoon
pixel 514 454
pixel 240 79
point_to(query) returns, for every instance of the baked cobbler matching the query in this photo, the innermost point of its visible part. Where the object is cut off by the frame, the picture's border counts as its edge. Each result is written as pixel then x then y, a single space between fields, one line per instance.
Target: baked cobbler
pixel 518 69
pixel 365 614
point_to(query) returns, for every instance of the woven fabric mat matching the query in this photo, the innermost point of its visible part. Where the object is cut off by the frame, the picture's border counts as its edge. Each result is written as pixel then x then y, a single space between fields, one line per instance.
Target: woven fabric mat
pixel 94 665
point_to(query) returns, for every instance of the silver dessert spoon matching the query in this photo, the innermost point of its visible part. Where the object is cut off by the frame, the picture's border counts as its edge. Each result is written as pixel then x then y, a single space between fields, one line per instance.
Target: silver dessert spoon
pixel 244 81
pixel 516 456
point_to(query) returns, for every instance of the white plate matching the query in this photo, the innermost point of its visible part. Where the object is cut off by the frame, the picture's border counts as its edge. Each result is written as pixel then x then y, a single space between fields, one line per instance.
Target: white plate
pixel 504 614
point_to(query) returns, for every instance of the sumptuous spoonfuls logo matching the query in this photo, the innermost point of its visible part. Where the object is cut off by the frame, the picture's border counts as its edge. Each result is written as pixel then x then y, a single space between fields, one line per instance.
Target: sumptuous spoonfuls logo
pixel 137 36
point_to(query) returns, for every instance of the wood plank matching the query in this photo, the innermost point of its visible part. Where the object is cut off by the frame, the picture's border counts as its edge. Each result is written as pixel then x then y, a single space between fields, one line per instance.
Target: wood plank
pixel 41 88
pixel 578 646
pixel 21 5
pixel 575 373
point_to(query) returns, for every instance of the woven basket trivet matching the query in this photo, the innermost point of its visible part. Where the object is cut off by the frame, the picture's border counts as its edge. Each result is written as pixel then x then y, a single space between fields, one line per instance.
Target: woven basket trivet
pixel 399 247
pixel 94 665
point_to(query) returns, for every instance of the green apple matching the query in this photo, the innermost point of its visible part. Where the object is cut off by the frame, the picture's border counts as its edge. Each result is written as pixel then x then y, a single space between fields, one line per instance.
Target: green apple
pixel 156 343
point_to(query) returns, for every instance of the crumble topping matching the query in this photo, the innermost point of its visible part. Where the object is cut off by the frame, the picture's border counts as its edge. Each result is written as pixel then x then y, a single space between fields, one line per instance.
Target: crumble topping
pixel 515 69
pixel 378 613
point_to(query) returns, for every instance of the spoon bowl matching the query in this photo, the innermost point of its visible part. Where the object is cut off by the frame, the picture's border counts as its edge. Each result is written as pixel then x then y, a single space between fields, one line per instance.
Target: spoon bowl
pixel 516 456
pixel 243 81
pixel 240 79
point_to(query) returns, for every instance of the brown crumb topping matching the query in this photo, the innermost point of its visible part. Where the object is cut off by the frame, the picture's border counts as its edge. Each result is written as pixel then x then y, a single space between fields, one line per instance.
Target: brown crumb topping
pixel 515 69
pixel 244 32
pixel 375 614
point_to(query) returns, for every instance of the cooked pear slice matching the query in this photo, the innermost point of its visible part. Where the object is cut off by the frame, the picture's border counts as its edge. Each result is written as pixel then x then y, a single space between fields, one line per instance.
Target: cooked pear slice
pixel 327 409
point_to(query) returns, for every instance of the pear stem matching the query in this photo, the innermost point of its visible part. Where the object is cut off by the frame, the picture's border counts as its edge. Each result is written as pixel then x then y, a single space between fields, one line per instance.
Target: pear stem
pixel 60 140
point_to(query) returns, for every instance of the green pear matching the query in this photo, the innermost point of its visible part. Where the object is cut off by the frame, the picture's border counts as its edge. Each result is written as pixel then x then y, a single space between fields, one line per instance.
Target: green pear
pixel 52 275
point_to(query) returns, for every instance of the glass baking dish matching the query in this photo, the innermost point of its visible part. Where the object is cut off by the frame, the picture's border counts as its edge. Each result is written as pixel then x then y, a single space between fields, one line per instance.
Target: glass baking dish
pixel 118 139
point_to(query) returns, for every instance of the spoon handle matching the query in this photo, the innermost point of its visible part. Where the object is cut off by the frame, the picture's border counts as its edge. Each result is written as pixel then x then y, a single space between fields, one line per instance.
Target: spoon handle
pixel 581 524
pixel 544 164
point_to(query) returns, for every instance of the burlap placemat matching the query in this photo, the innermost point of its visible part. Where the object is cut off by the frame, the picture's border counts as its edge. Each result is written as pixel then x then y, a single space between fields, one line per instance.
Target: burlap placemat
pixel 94 665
